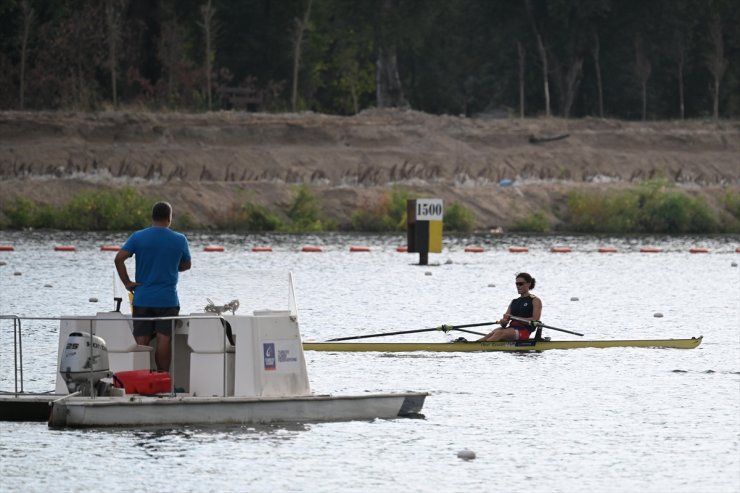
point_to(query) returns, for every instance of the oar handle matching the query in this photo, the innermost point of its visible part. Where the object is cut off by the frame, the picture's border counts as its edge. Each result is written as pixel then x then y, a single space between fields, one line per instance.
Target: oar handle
pixel 536 323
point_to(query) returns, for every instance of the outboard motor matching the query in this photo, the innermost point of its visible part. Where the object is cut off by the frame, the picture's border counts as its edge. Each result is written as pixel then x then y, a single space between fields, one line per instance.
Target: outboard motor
pixel 83 369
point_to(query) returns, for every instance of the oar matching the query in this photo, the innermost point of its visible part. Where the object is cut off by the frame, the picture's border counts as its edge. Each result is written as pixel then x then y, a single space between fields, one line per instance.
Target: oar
pixel 443 328
pixel 537 323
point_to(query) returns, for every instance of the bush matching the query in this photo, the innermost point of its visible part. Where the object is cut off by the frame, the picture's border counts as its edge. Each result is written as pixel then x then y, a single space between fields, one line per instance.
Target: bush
pixel 305 212
pixel 457 217
pixel 388 214
pixel 649 208
pixel 117 210
pixel 536 222
pixel 251 217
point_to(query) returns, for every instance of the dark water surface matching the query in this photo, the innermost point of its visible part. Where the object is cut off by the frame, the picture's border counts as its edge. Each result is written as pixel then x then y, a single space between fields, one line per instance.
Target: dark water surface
pixel 587 420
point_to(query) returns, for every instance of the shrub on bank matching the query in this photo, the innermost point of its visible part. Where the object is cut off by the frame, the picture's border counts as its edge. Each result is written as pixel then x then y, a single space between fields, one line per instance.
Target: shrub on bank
pixel 458 218
pixel 117 210
pixel 649 208
pixel 387 214
pixel 536 222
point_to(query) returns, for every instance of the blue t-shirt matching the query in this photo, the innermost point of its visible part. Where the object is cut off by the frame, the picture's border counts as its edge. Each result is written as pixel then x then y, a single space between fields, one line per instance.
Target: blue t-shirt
pixel 158 252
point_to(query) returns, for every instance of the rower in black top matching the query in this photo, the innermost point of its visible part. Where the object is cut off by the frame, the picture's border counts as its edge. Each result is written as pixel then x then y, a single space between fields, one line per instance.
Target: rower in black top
pixel 526 306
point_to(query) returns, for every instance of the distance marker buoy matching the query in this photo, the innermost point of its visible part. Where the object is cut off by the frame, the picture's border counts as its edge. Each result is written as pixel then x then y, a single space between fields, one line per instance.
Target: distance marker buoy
pixel 64 248
pixel 311 249
pixel 213 248
pixel 402 249
pixel 109 248
pixel 607 250
pixel 518 249
pixel 7 248
pixel 474 249
pixel 650 250
pixel 698 250
pixel 359 249
pixel 262 249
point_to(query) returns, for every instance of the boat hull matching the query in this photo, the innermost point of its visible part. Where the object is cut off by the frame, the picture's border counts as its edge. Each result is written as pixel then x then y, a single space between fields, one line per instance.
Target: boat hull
pixel 512 346
pixel 135 411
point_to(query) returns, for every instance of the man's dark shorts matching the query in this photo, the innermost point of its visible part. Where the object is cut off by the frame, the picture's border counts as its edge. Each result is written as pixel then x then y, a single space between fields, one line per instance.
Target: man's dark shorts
pixel 149 327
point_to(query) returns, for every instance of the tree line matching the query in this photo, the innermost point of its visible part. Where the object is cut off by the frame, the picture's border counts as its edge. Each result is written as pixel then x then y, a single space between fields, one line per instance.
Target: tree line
pixel 630 59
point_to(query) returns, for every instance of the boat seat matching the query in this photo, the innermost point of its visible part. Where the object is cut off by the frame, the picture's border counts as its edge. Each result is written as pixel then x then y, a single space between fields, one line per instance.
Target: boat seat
pixel 212 357
pixel 123 352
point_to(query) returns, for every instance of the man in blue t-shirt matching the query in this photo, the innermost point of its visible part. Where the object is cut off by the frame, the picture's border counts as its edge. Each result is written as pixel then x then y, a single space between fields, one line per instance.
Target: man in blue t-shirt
pixel 161 254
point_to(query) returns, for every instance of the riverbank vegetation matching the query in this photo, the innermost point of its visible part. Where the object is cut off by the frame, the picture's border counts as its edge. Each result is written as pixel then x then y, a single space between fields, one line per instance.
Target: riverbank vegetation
pixel 652 207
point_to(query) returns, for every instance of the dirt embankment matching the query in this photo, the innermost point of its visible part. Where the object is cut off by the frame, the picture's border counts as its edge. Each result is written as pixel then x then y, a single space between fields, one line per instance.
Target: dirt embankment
pixel 205 163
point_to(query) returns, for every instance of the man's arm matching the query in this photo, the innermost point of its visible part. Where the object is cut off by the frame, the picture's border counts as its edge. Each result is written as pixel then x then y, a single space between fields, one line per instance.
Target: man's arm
pixel 184 265
pixel 120 260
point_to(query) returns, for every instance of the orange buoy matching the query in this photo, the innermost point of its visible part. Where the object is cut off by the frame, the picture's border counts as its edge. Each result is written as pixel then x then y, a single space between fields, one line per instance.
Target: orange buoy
pixel 109 248
pixel 698 250
pixel 311 249
pixel 6 248
pixel 607 250
pixel 650 250
pixel 561 249
pixel 474 249
pixel 359 249
pixel 402 249
pixel 213 248
pixel 518 249
pixel 262 249
pixel 64 248
pixel 737 250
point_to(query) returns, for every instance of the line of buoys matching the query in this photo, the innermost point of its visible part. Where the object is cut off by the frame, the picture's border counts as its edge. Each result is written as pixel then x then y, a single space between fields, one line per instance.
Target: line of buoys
pixel 402 249
pixel 518 249
pixel 650 250
pixel 262 249
pixel 213 248
pixel 698 250
pixel 311 249
pixel 109 248
pixel 359 249
pixel 607 250
pixel 474 249
pixel 561 249
pixel 64 248
pixel 6 248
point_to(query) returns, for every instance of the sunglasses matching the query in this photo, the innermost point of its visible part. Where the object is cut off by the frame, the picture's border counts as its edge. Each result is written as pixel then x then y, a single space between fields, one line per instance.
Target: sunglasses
pixel 519 283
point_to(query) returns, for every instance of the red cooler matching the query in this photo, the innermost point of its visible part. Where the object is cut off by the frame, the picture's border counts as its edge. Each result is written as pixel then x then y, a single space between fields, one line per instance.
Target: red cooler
pixel 145 382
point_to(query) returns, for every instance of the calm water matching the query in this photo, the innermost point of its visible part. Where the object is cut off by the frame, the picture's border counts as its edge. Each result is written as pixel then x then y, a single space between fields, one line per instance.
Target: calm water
pixel 605 420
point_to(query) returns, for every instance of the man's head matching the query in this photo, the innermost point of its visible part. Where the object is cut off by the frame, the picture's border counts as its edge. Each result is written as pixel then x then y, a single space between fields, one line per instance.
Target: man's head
pixel 162 212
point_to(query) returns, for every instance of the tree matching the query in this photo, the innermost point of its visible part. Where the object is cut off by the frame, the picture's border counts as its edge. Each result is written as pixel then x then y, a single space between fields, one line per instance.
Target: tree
pixel 113 9
pixel 27 16
pixel 522 64
pixel 389 91
pixel 716 61
pixel 643 68
pixel 210 29
pixel 595 48
pixel 301 25
pixel 543 56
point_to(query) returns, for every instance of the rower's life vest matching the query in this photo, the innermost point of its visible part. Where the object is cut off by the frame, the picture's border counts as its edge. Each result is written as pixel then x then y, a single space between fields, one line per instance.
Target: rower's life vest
pixel 522 307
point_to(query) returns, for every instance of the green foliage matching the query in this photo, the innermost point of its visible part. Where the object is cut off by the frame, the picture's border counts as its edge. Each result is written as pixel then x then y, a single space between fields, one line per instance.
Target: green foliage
pixel 116 210
pixel 730 222
pixel 251 217
pixel 536 222
pixel 649 208
pixel 459 218
pixel 387 214
pixel 305 211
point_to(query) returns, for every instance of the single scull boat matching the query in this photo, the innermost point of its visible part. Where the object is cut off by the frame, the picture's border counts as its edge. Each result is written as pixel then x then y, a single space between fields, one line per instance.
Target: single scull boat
pixel 520 346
